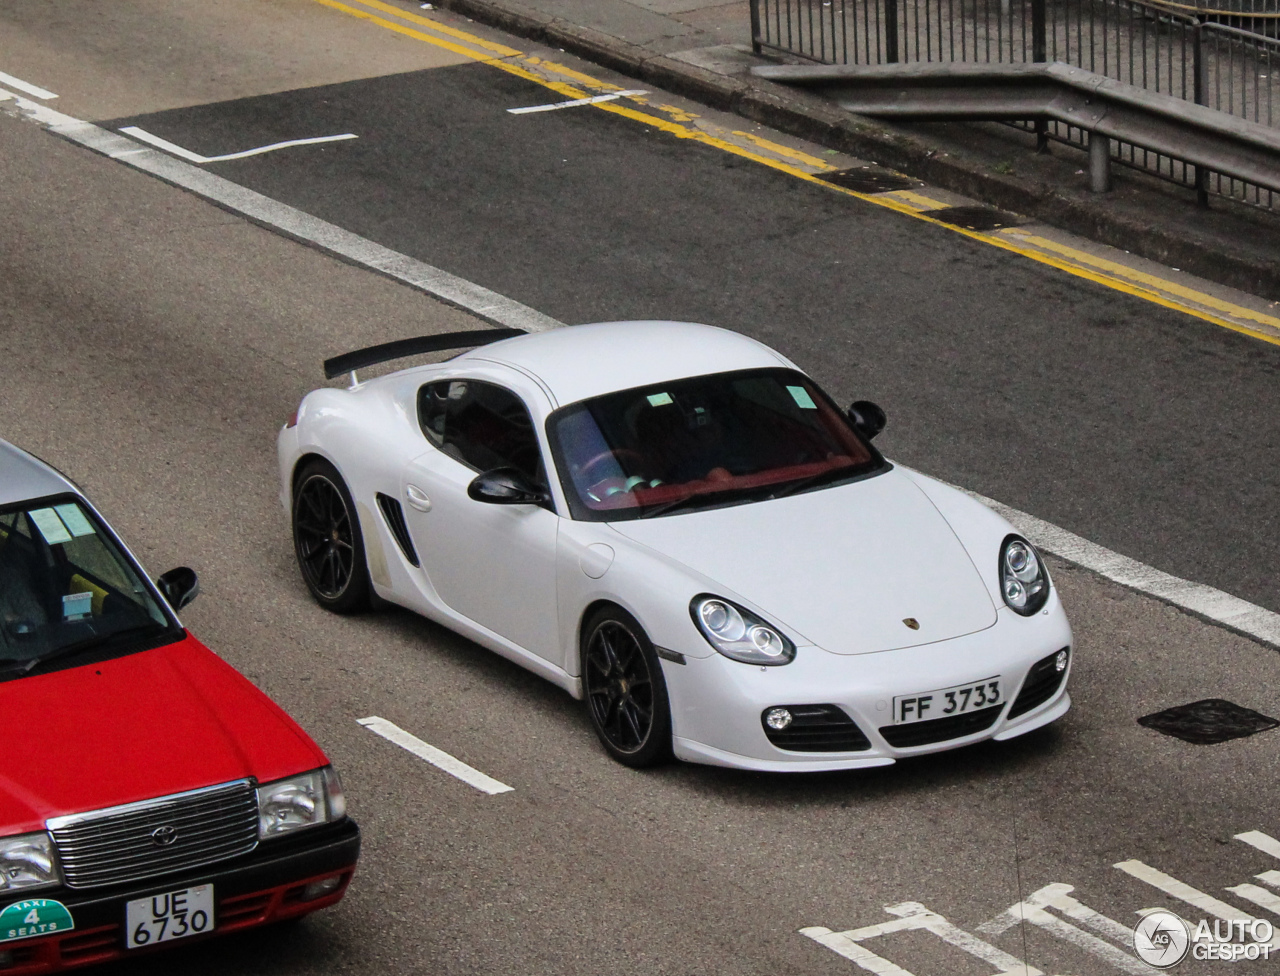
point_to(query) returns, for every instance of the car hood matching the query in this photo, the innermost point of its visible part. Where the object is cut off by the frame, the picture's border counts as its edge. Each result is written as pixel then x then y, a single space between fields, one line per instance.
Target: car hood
pixel 842 567
pixel 149 724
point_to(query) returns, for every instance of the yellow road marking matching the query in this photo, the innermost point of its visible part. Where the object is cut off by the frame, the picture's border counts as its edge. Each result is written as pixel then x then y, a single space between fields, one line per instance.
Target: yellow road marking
pixel 1075 262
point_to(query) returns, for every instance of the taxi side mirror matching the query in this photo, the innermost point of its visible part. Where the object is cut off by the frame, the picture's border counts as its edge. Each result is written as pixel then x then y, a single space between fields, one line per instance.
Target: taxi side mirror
pixel 180 586
pixel 867 417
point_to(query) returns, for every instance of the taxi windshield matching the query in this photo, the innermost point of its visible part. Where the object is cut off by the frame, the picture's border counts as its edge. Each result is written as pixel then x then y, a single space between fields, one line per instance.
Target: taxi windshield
pixel 703 442
pixel 66 586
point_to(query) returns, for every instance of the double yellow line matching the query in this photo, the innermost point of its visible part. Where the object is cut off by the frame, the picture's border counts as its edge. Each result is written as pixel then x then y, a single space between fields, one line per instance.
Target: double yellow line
pixel 682 124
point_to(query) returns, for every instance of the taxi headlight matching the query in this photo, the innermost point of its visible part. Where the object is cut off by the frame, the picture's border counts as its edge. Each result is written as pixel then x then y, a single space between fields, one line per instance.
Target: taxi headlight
pixel 28 861
pixel 300 801
pixel 1024 581
pixel 739 634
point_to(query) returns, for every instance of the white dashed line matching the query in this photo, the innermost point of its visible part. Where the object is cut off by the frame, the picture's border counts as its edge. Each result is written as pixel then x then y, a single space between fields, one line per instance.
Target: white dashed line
pixel 35 91
pixel 192 157
pixel 437 757
pixel 1263 842
pixel 554 106
pixel 1203 601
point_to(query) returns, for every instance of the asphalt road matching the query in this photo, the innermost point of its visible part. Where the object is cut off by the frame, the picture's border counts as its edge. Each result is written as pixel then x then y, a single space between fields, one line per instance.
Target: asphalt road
pixel 155 343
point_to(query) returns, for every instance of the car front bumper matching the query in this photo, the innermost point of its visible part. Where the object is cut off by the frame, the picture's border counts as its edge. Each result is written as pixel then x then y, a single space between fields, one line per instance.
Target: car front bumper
pixel 717 704
pixel 268 885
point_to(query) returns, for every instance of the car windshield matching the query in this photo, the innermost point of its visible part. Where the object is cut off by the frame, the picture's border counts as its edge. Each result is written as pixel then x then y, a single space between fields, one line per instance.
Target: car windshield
pixel 65 586
pixel 702 442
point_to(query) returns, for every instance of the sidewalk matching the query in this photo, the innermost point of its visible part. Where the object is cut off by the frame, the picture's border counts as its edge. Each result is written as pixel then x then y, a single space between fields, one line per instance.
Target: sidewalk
pixel 701 49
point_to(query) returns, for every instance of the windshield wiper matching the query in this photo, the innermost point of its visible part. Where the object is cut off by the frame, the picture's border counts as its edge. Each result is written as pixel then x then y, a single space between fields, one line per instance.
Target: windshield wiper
pixel 673 505
pixel 814 481
pixel 76 647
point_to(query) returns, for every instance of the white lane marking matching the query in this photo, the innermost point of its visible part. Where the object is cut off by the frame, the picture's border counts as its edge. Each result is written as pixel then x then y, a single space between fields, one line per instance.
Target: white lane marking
pixel 1263 842
pixel 1203 601
pixel 575 103
pixel 1259 896
pixel 192 157
pixel 1270 877
pixel 437 757
pixel 1183 891
pixel 912 916
pixel 24 86
pixel 1207 602
pixel 1034 909
pixel 459 292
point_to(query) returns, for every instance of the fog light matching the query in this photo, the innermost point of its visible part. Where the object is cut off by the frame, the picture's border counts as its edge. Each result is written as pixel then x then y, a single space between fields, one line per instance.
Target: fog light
pixel 318 889
pixel 1060 662
pixel 777 718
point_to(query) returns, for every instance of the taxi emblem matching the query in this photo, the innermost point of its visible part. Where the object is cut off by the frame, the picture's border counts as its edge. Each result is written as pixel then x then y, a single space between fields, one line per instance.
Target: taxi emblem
pixel 164 836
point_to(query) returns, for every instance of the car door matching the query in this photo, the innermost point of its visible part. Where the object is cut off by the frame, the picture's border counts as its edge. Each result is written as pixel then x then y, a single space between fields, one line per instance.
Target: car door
pixel 494 564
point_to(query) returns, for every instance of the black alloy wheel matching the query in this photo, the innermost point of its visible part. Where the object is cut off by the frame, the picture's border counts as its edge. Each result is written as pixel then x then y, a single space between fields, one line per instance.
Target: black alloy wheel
pixel 626 694
pixel 327 539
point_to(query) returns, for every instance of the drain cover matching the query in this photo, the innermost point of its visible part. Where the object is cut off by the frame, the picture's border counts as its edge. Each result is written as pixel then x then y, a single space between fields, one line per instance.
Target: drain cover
pixel 975 218
pixel 869 180
pixel 1209 721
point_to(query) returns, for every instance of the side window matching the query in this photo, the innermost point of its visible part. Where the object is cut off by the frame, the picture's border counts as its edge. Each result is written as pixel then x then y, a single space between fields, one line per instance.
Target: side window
pixel 481 425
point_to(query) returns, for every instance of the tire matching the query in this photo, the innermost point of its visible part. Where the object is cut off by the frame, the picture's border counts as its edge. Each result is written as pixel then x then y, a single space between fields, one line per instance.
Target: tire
pixel 327 539
pixel 625 693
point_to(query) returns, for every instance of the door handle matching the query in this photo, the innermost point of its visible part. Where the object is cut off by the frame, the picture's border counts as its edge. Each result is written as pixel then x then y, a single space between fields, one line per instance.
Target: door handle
pixel 417 498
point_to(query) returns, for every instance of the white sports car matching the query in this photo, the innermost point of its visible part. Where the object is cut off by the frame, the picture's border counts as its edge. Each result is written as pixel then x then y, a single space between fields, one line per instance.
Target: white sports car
pixel 674 523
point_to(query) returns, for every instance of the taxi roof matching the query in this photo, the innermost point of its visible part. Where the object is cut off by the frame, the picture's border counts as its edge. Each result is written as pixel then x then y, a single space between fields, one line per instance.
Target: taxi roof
pixel 24 476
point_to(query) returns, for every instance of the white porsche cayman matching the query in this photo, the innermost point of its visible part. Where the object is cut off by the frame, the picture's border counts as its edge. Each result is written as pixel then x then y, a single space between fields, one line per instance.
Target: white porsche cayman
pixel 674 523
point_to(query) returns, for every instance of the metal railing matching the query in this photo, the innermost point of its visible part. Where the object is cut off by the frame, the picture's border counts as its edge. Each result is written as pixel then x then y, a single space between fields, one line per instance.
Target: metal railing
pixel 1226 56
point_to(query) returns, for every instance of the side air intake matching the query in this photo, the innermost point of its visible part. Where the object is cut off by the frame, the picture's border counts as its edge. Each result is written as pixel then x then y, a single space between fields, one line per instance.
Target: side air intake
pixel 393 514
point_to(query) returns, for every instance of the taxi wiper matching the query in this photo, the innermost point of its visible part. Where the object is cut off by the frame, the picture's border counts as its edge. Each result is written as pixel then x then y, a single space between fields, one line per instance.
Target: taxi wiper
pixel 76 647
pixel 671 506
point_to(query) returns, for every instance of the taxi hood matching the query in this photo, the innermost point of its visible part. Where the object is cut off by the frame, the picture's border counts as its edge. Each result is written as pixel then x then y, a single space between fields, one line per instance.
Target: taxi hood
pixel 845 568
pixel 162 721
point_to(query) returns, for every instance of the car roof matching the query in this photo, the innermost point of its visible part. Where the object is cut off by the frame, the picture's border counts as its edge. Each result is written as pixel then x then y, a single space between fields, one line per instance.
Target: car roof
pixel 583 361
pixel 23 477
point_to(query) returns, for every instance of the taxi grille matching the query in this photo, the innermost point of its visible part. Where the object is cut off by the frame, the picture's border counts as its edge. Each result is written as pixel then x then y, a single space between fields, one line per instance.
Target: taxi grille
pixel 154 837
pixel 940 729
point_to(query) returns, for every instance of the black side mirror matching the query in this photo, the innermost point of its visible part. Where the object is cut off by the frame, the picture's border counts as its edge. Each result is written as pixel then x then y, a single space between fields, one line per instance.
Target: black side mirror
pixel 868 417
pixel 506 486
pixel 179 586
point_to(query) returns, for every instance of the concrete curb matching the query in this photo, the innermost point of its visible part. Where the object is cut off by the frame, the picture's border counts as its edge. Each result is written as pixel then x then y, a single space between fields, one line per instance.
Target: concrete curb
pixel 810 117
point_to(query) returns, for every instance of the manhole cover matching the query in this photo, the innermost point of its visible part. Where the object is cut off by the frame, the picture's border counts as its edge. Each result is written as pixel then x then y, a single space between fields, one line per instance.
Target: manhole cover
pixel 869 180
pixel 1209 721
pixel 975 218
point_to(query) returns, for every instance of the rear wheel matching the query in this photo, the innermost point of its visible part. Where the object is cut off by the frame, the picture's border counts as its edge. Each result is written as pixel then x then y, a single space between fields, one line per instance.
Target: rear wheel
pixel 327 539
pixel 625 691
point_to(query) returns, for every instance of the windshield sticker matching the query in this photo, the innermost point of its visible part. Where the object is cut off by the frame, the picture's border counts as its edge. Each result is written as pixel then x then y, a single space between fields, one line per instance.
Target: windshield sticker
pixel 35 916
pixel 74 519
pixel 659 399
pixel 802 398
pixel 77 606
pixel 50 526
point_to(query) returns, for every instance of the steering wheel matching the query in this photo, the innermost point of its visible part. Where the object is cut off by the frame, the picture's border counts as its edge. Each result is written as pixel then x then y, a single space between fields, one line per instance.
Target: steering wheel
pixel 621 454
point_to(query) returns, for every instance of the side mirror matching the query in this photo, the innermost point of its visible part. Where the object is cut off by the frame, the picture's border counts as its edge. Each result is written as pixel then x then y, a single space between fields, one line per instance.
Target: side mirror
pixel 179 586
pixel 506 486
pixel 868 417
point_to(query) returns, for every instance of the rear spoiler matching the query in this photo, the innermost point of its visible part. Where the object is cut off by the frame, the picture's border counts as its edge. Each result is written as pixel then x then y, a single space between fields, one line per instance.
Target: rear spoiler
pixel 349 362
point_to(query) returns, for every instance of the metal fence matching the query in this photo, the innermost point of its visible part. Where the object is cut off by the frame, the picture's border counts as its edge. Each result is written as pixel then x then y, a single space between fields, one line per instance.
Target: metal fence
pixel 1226 56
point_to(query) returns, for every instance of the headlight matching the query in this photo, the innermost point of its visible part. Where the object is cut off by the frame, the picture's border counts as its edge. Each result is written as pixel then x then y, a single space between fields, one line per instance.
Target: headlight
pixel 28 861
pixel 1024 582
pixel 300 801
pixel 739 633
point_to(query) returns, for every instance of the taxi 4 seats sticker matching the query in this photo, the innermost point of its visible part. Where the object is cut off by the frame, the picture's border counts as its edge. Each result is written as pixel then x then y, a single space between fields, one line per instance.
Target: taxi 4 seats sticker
pixel 35 916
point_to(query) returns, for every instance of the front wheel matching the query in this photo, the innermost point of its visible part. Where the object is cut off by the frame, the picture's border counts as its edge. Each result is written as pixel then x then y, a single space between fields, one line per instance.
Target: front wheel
pixel 624 688
pixel 328 541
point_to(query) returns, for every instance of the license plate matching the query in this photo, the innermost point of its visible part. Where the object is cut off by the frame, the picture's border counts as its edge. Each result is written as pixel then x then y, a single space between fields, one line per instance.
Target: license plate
pixel 173 915
pixel 946 702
